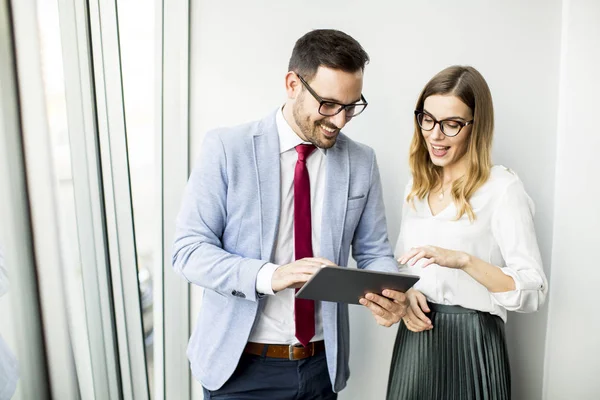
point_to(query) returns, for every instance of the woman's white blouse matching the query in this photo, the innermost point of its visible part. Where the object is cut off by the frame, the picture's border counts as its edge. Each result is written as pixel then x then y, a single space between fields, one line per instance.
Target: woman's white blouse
pixel 502 234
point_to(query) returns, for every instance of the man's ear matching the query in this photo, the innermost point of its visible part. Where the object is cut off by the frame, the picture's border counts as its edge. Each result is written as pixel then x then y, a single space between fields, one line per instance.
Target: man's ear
pixel 293 86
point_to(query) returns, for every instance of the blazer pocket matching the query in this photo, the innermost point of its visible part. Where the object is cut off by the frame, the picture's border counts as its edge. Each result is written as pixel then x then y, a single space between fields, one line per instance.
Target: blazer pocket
pixel 355 202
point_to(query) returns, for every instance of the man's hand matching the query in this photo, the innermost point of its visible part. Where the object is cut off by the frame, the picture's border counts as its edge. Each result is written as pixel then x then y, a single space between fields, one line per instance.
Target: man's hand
pixel 387 310
pixel 295 275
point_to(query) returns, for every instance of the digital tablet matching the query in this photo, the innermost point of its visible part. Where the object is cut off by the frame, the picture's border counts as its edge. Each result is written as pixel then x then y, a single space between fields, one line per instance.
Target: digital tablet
pixel 348 285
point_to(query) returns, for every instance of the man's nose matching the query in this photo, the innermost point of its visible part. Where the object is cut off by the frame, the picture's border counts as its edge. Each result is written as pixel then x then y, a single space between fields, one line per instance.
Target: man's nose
pixel 340 119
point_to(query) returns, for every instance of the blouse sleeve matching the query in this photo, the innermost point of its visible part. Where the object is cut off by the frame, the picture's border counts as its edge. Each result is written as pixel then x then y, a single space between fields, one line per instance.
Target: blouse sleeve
pixel 514 231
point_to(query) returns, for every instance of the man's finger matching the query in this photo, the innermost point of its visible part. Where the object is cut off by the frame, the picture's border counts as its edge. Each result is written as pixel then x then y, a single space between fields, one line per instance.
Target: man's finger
pixel 308 262
pixel 299 266
pixel 375 308
pixel 396 295
pixel 384 322
pixel 320 261
pixel 383 302
pixel 325 261
pixel 304 269
pixel 297 280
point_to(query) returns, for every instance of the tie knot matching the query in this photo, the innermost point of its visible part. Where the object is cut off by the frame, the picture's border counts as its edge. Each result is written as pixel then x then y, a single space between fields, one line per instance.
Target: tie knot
pixel 304 151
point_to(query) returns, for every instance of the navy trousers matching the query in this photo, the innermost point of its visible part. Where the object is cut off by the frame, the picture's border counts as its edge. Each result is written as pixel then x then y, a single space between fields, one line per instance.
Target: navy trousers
pixel 258 377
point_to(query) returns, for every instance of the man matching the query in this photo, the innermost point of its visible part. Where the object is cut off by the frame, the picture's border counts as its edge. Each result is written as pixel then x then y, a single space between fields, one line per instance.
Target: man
pixel 267 205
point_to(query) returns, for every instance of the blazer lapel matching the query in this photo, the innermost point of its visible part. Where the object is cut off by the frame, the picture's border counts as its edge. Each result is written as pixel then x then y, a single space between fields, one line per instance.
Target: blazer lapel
pixel 335 202
pixel 266 156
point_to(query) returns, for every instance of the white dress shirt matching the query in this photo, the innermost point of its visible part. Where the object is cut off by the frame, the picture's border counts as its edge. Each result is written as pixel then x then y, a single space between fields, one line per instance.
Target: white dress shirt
pixel 275 323
pixel 502 234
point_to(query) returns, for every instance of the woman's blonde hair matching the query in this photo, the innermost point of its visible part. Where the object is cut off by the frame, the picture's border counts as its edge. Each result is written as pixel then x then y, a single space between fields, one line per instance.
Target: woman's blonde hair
pixel 468 85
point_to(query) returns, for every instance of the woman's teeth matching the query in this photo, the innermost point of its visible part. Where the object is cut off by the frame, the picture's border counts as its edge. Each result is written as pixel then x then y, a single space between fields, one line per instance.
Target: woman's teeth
pixel 439 151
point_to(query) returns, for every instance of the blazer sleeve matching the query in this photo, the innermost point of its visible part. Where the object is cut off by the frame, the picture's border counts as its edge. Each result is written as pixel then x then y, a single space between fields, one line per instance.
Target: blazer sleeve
pixel 198 253
pixel 370 246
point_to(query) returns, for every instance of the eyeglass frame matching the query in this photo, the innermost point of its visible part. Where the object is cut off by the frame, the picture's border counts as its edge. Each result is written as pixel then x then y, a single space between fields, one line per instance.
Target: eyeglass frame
pixel 322 101
pixel 436 122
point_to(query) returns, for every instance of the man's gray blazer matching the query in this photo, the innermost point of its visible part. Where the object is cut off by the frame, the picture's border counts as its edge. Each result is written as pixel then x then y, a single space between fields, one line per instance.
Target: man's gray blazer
pixel 227 227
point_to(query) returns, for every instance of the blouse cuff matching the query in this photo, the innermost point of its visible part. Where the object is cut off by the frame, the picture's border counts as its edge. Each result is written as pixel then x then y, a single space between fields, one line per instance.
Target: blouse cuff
pixel 528 294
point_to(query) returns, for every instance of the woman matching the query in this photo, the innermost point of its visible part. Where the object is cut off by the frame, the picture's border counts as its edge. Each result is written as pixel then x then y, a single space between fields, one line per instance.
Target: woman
pixel 467 230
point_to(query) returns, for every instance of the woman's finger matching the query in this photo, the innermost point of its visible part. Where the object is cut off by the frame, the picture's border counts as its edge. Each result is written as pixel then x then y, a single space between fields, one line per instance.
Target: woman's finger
pixel 411 326
pixel 415 319
pixel 428 262
pixel 422 302
pixel 407 322
pixel 410 254
pixel 407 256
pixel 416 310
pixel 417 257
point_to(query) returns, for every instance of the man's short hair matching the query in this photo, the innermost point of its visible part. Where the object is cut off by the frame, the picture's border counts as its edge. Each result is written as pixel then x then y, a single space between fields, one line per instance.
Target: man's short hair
pixel 328 48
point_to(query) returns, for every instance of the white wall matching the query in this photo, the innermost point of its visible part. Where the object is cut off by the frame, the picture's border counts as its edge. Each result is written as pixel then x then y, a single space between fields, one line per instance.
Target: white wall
pixel 573 347
pixel 239 59
pixel 7 333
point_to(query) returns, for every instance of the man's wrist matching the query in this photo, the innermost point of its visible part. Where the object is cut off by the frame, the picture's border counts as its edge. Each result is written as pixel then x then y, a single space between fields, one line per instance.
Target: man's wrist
pixel 264 279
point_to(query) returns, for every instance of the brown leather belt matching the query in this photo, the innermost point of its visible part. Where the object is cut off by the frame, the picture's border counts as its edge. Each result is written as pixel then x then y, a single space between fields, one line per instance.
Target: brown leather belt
pixel 291 352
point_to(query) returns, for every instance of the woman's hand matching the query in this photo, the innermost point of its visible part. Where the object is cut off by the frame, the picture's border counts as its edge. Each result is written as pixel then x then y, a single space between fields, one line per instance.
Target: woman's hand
pixel 415 318
pixel 435 255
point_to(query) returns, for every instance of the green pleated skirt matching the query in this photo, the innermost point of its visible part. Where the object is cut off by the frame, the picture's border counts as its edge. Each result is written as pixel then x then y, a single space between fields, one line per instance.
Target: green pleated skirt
pixel 464 357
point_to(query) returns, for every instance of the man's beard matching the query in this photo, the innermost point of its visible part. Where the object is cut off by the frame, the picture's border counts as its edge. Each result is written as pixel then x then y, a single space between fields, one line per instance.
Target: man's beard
pixel 311 130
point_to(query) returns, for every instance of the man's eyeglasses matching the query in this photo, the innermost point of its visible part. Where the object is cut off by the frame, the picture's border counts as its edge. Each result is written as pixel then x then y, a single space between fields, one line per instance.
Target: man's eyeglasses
pixel 449 127
pixel 331 108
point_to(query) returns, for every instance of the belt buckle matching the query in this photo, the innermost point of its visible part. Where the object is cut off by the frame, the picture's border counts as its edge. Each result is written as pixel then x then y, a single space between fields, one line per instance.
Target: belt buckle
pixel 291 351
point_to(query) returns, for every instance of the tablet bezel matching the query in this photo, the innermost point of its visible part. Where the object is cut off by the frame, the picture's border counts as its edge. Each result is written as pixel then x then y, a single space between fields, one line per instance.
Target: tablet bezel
pixel 348 285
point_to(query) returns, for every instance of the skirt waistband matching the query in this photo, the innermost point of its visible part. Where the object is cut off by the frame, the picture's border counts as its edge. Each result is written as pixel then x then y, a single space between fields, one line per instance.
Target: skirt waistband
pixel 447 309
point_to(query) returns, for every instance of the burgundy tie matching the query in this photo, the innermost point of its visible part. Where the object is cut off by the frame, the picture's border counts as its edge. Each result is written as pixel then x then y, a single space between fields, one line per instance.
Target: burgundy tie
pixel 304 310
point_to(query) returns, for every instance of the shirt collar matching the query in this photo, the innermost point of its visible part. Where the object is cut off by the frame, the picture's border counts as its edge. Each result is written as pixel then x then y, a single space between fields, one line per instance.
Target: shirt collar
pixel 288 139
